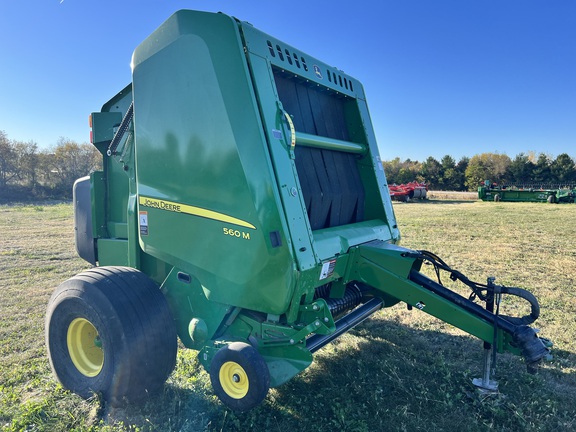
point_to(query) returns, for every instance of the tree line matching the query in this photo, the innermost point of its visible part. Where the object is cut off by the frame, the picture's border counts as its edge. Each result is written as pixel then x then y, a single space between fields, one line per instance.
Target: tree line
pixel 525 170
pixel 27 172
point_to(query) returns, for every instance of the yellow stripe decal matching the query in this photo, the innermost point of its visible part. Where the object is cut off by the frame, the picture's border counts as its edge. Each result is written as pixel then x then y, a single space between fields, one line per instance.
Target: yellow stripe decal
pixel 191 210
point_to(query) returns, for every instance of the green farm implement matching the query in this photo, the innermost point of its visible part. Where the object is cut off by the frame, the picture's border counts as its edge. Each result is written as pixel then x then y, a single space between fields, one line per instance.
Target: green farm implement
pixel 489 192
pixel 242 208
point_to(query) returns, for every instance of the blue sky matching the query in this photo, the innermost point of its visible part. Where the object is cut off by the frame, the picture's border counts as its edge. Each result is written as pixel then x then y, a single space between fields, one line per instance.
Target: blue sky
pixel 457 77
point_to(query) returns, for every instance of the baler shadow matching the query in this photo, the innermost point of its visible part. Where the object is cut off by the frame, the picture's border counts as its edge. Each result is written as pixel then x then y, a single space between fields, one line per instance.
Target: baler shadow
pixel 174 409
pixel 388 364
pixel 381 365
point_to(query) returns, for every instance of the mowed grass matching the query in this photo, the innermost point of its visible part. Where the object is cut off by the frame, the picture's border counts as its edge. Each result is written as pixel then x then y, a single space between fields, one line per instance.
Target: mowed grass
pixel 399 371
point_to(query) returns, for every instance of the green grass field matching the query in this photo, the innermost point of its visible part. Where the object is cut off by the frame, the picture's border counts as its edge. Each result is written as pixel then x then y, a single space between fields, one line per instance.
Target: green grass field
pixel 399 371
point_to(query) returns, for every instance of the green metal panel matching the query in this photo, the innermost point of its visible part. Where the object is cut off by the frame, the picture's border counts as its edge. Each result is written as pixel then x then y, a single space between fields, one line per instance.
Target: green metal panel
pixel 110 189
pixel 103 124
pixel 330 242
pixel 386 268
pixel 98 195
pixel 188 302
pixel 112 252
pixel 285 362
pixel 278 135
pixel 380 204
pixel 566 196
pixel 205 182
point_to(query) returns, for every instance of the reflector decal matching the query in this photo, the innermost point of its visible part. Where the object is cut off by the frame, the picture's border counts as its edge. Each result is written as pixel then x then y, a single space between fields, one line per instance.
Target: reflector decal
pixel 292 130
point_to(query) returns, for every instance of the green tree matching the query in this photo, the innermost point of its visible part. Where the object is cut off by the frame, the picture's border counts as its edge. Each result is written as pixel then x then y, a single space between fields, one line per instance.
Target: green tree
pixel 487 166
pixel 563 170
pixel 392 169
pixel 521 169
pixel 408 172
pixel 398 172
pixel 541 173
pixel 431 172
pixel 452 178
pixel 461 172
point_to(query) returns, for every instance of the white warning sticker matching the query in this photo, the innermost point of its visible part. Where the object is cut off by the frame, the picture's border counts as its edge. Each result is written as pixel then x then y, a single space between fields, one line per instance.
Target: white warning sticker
pixel 143 218
pixel 327 269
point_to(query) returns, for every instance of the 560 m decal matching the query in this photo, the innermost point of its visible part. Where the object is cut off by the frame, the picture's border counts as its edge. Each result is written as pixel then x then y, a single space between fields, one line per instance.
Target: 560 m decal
pixel 191 210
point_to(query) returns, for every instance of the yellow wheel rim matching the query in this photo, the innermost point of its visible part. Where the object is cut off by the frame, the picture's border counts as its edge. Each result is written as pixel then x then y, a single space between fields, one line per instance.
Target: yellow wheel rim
pixel 234 380
pixel 85 347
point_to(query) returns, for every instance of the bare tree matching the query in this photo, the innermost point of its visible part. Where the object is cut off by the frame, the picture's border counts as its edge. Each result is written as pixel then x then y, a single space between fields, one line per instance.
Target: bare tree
pixel 69 161
pixel 26 162
pixel 7 160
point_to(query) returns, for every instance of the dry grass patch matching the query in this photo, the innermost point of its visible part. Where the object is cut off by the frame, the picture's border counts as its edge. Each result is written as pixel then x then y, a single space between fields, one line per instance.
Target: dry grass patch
pixel 452 195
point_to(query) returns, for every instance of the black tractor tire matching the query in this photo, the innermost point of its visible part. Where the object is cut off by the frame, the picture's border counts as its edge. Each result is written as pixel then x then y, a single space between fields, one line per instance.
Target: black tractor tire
pixel 109 331
pixel 551 199
pixel 239 376
pixel 497 198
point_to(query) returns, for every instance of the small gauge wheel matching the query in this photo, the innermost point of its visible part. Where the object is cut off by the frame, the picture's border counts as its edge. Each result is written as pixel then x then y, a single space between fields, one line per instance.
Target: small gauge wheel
pixel 239 376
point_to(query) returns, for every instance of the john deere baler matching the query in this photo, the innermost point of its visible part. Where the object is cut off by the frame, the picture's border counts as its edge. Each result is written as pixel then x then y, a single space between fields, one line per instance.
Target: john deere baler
pixel 242 208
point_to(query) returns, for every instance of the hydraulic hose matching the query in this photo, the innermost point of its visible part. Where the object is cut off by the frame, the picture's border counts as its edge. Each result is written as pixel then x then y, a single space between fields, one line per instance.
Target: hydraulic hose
pixel 529 297
pixel 524 337
pixel 532 347
pixel 484 291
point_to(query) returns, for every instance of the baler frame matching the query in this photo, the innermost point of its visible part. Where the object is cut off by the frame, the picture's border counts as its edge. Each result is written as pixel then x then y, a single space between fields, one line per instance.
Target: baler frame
pixel 266 155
